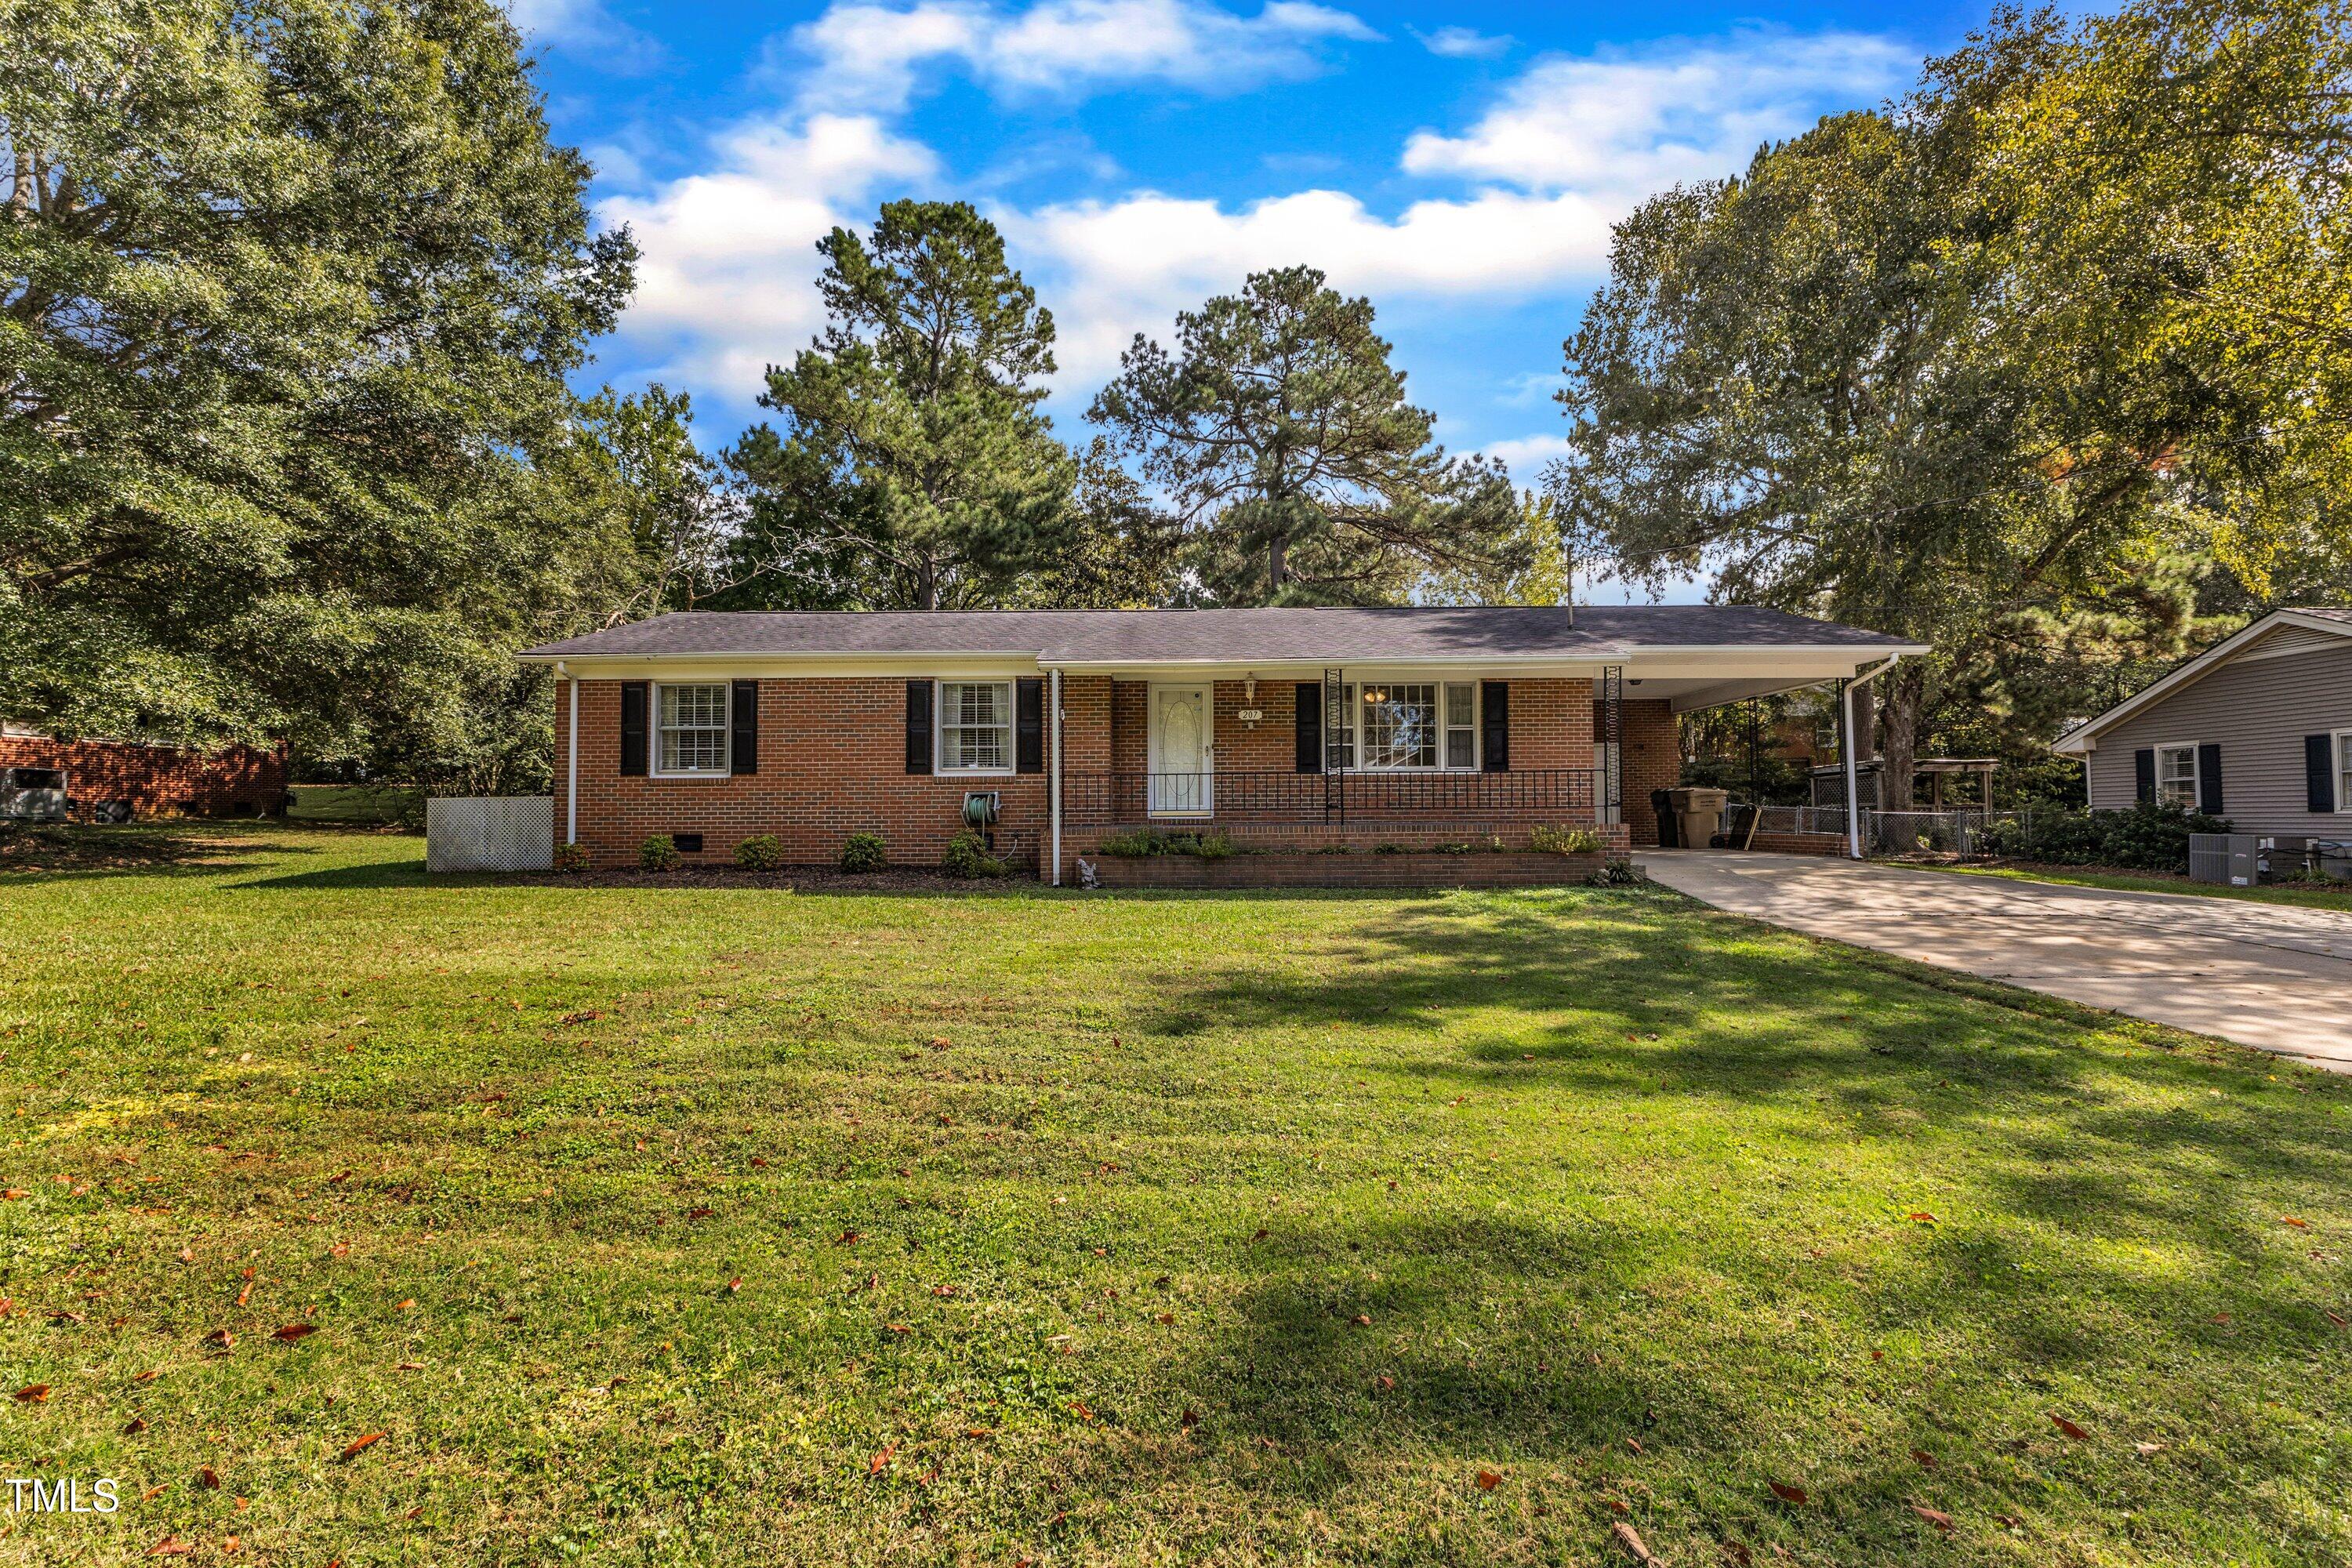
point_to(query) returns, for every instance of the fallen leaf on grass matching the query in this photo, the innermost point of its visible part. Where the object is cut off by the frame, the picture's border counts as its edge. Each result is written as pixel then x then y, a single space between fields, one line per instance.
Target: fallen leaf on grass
pixel 734 1286
pixel 846 1238
pixel 2145 1449
pixel 1191 1417
pixel 700 1211
pixel 2339 1322
pixel 1385 1380
pixel 1739 1553
pixel 171 1546
pixel 409 1305
pixel 1630 1540
pixel 1926 1462
pixel 2298 1224
pixel 943 1289
pixel 1921 1217
pixel 1787 1493
pixel 2008 1522
pixel 1635 1444
pixel 2068 1427
pixel 410 1366
pixel 150 1494
pixel 899 1328
pixel 32 1394
pixel 136 1425
pixel 1083 1411
pixel 1488 1480
pixel 361 1445
pixel 1942 1521
pixel 289 1332
pixel 13 1193
pixel 1362 1320
pixel 874 1465
pixel 1167 1317
pixel 208 1477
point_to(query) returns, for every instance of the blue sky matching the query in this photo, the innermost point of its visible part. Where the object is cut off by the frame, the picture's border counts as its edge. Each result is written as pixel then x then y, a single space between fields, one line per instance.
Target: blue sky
pixel 1458 163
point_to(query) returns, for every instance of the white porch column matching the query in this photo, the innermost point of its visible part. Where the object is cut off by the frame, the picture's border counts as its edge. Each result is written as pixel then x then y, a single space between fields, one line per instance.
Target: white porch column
pixel 571 765
pixel 1054 787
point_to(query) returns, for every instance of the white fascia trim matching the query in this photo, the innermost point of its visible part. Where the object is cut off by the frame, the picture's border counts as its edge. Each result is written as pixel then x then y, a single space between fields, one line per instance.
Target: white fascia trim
pixel 2078 741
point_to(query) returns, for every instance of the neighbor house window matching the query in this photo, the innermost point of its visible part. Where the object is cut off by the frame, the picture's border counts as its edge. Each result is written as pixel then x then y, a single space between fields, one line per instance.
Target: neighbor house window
pixel 2344 770
pixel 975 726
pixel 1462 724
pixel 1400 724
pixel 692 725
pixel 2175 775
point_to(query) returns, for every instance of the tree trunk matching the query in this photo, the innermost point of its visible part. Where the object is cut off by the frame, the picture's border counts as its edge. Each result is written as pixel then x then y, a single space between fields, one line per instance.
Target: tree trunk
pixel 1274 568
pixel 1906 704
pixel 927 584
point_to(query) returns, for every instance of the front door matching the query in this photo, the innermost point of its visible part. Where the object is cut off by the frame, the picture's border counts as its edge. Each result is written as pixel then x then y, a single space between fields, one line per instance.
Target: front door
pixel 1182 750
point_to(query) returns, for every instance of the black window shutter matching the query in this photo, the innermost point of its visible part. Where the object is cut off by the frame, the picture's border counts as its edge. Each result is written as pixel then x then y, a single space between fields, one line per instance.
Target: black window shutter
pixel 743 752
pixel 2319 771
pixel 918 726
pixel 2209 778
pixel 1310 716
pixel 2143 774
pixel 1494 725
pixel 1029 726
pixel 633 727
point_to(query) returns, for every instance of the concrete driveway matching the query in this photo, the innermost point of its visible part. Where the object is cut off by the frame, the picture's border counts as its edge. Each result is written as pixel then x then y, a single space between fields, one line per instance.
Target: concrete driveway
pixel 2261 975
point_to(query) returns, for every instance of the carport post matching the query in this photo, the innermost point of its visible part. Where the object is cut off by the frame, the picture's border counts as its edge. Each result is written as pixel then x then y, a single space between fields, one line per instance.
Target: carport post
pixel 1054 701
pixel 1847 743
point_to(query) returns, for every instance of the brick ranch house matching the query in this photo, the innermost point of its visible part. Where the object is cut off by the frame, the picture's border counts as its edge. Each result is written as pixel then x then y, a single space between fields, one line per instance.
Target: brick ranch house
pixel 1287 729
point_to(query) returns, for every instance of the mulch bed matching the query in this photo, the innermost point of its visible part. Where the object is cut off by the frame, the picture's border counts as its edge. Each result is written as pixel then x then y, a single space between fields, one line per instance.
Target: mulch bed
pixel 789 879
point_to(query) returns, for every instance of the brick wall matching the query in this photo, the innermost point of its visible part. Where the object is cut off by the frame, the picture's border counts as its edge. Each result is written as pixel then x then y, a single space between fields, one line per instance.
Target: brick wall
pixel 833 763
pixel 159 781
pixel 1653 761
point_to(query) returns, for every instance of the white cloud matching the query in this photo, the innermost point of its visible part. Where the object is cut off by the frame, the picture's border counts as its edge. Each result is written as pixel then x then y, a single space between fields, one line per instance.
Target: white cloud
pixel 1525 456
pixel 725 280
pixel 585 28
pixel 1635 122
pixel 1112 269
pixel 1464 43
pixel 864 55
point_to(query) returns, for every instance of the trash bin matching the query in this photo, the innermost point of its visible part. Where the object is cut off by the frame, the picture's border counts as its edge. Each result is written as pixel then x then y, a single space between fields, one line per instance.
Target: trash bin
pixel 1662 807
pixel 1700 813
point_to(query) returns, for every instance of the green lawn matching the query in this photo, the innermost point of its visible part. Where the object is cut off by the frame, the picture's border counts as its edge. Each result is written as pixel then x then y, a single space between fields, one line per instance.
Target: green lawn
pixel 732 1226
pixel 2337 896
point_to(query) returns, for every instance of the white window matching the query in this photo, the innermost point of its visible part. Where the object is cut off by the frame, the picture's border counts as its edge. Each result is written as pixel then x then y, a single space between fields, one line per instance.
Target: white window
pixel 1400 724
pixel 1462 724
pixel 2344 770
pixel 2175 775
pixel 691 726
pixel 975 727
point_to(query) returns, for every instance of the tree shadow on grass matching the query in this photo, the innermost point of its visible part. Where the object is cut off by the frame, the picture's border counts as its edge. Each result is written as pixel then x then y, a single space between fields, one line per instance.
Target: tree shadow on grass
pixel 2107 1207
pixel 48 852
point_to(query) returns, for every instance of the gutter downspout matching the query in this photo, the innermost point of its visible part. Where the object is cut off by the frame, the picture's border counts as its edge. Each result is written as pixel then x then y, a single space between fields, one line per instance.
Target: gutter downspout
pixel 571 766
pixel 1853 790
pixel 1055 787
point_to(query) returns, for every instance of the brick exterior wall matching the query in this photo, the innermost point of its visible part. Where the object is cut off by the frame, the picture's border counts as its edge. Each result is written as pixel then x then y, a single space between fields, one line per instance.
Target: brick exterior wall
pixel 833 763
pixel 1653 761
pixel 158 780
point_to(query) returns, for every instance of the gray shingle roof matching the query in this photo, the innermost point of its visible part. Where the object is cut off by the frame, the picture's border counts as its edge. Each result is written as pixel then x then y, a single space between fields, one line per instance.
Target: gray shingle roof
pixel 2329 613
pixel 1149 636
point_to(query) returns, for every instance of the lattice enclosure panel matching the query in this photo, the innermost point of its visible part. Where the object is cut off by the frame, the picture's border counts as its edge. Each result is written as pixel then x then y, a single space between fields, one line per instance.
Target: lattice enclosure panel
pixel 497 833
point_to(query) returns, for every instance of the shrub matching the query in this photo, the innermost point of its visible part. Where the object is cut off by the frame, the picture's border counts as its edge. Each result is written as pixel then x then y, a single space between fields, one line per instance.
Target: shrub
pixel 1456 848
pixel 573 858
pixel 1146 842
pixel 658 853
pixel 969 858
pixel 1617 874
pixel 1565 840
pixel 2147 837
pixel 760 852
pixel 863 852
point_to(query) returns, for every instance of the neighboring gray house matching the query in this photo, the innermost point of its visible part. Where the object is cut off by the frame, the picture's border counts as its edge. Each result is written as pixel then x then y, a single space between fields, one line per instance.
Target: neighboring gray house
pixel 2257 729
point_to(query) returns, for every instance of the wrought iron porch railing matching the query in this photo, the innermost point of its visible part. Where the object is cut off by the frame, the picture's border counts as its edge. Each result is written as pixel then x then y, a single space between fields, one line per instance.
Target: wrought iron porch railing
pixel 1557 795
